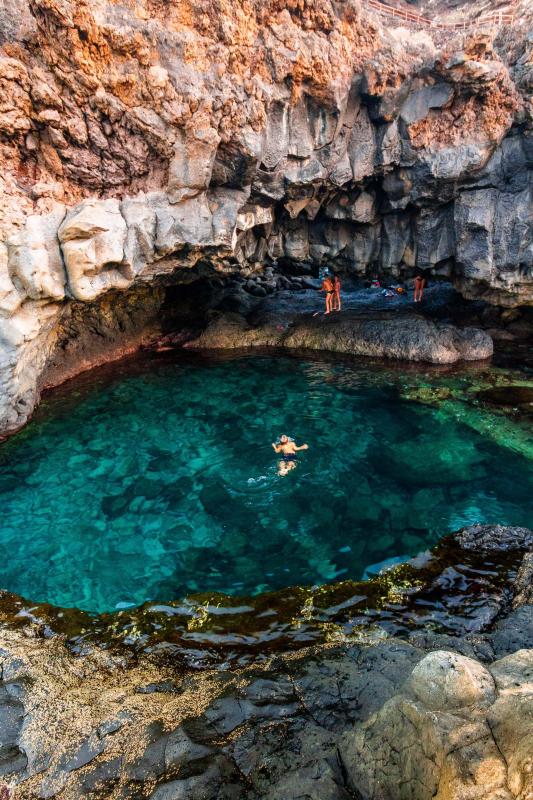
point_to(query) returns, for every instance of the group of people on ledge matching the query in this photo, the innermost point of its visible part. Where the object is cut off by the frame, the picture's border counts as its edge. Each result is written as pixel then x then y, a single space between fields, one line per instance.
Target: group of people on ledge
pixel 331 285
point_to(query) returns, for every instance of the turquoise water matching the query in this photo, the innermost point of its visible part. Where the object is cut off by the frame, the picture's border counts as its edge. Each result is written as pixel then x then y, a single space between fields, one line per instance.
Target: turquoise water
pixel 162 483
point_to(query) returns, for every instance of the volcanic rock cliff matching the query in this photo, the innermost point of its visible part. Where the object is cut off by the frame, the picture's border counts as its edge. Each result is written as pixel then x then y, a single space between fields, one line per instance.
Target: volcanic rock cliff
pixel 148 140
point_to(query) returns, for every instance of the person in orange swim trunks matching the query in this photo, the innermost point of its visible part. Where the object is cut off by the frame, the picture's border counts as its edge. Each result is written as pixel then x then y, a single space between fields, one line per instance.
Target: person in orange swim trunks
pixel 329 288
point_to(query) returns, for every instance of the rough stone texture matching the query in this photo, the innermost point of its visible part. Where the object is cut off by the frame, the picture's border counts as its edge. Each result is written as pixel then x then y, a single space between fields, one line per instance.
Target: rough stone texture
pixel 405 336
pixel 142 140
pixel 524 583
pixel 92 238
pixel 489 538
pixel 442 734
pixel 446 717
pixel 388 720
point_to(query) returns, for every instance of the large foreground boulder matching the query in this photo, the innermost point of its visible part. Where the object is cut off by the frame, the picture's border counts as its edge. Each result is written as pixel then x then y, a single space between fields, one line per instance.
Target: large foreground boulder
pixel 455 731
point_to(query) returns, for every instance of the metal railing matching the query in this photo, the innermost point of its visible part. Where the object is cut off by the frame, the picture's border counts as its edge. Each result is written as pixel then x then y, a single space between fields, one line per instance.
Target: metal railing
pixel 494 19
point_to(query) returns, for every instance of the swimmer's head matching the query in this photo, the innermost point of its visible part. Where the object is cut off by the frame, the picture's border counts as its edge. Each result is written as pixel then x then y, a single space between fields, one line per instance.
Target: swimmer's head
pixel 283 439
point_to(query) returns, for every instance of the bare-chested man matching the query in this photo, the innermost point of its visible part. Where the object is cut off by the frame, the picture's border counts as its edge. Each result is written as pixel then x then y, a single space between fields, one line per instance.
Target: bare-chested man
pixel 288 449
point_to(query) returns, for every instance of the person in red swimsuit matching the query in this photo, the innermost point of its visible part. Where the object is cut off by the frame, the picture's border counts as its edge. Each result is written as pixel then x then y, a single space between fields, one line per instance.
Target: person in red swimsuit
pixel 420 285
pixel 337 295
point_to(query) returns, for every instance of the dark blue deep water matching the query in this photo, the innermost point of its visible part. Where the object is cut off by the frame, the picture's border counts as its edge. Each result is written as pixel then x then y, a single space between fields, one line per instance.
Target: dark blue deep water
pixel 161 484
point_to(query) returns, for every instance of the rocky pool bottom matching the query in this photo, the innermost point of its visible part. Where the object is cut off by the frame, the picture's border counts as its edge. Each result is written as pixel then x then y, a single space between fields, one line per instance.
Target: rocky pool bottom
pixel 415 683
pixel 155 480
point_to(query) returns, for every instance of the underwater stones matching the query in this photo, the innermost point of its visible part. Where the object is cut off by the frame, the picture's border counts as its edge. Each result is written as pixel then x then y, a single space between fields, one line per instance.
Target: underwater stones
pixel 519 398
pixel 460 461
pixel 92 239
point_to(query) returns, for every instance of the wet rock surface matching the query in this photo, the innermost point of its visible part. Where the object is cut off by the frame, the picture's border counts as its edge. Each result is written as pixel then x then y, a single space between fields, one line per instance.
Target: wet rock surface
pixel 518 398
pixel 404 336
pixel 424 715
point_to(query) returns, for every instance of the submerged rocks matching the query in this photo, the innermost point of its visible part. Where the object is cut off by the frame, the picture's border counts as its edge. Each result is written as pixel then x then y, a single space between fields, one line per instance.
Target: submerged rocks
pixel 409 336
pixel 515 398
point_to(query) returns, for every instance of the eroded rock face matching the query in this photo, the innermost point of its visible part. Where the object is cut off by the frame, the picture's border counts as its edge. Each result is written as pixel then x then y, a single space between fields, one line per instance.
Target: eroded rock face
pixel 139 143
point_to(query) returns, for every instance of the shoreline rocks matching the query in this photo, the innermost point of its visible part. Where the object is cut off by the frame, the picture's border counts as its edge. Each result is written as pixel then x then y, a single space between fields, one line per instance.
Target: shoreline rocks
pixel 407 337
pixel 425 716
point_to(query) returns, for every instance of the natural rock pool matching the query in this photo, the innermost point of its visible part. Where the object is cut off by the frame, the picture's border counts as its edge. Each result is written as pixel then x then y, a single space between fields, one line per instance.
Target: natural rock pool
pixel 161 482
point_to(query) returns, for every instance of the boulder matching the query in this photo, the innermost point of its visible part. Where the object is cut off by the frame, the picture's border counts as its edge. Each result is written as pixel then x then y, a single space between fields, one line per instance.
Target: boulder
pixel 93 236
pixel 35 264
pixel 435 738
pixel 409 337
pixel 444 681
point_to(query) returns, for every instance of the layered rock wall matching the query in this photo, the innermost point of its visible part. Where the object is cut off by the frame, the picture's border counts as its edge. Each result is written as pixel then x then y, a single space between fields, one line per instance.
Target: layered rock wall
pixel 142 138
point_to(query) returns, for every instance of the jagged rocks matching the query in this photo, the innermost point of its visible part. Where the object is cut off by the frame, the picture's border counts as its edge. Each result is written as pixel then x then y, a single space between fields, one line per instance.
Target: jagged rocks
pixel 490 538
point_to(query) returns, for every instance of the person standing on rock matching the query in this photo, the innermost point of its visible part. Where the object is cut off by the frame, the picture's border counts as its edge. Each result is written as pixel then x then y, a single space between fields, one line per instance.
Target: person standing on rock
pixel 337 295
pixel 420 285
pixel 329 288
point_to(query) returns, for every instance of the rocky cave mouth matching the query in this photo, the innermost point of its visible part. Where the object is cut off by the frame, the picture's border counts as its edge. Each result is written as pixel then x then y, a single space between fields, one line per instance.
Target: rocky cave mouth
pixel 153 480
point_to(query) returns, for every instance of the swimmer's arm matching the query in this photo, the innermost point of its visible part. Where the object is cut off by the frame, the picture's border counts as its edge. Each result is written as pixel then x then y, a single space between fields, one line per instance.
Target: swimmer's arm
pixel 277 447
pixel 302 447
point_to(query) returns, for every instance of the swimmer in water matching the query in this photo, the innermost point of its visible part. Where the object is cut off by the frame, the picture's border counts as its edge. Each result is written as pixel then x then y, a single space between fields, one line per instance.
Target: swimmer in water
pixel 288 449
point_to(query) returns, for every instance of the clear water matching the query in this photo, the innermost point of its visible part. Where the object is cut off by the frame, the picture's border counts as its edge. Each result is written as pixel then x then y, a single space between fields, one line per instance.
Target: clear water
pixel 157 485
